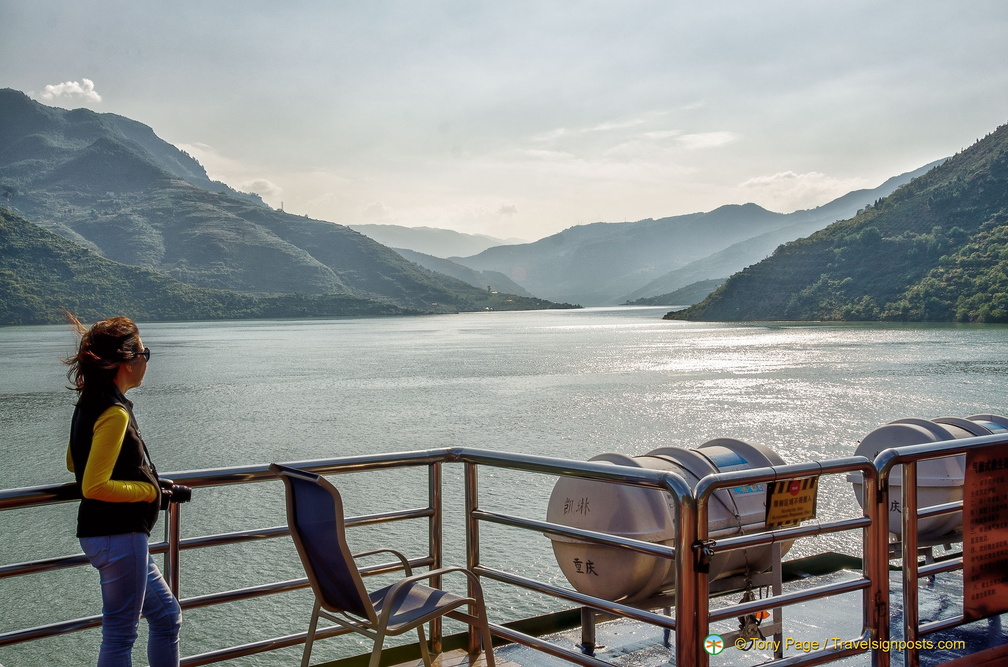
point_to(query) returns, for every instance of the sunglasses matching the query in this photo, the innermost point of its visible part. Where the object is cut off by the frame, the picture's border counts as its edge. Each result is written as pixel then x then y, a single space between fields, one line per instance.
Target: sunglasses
pixel 145 353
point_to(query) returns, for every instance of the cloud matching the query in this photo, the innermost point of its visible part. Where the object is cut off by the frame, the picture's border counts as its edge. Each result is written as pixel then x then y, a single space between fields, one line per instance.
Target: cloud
pixel 71 90
pixel 263 187
pixel 788 191
pixel 469 217
pixel 600 128
pixel 700 140
pixel 216 165
pixel 641 141
pixel 239 175
pixel 377 211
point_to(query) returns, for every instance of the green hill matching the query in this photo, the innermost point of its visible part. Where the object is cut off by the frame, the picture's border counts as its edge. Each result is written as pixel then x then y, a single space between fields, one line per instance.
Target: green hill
pixel 42 273
pixel 685 296
pixel 934 250
pixel 111 185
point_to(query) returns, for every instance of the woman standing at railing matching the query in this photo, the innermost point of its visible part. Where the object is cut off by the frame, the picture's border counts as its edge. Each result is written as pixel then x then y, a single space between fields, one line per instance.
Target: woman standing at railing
pixel 121 493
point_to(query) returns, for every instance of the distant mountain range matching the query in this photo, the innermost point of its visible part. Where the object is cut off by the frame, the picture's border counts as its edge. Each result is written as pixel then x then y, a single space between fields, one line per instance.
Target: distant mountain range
pixel 611 263
pixel 439 243
pixel 936 249
pixel 492 280
pixel 112 186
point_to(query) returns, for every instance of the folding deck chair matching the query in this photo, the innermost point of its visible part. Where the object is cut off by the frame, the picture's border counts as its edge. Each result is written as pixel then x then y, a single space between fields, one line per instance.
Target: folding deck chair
pixel 315 518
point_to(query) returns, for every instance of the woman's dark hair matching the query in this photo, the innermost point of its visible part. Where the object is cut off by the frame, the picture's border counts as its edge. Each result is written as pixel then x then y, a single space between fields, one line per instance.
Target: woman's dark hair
pixel 102 348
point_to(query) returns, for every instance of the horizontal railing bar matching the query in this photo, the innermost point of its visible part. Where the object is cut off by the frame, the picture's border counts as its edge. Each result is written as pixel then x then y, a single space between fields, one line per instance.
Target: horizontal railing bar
pixel 941 624
pixel 237 537
pixel 715 481
pixel 580 598
pixel 42 631
pixel 928 511
pixel 589 535
pixel 38 495
pixel 893 456
pixel 262 473
pixel 65 627
pixel 244 593
pixel 766 537
pixel 387 517
pixel 385 568
pixel 61 562
pixel 565 467
pixel 266 645
pixel 950 565
pixel 220 539
pixel 43 565
pixel 789 599
pixel 544 646
pixel 261 646
pixel 68 492
pixel 293 584
pixel 42 495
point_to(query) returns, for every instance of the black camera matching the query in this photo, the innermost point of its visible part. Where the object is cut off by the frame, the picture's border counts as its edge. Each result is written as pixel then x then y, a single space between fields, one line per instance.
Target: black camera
pixel 173 493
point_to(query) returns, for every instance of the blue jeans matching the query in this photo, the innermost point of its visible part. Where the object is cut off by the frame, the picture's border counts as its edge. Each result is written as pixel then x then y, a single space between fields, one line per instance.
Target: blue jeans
pixel 132 584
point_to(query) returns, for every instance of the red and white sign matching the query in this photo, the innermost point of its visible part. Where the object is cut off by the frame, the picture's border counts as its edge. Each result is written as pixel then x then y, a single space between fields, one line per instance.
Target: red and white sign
pixel 985 533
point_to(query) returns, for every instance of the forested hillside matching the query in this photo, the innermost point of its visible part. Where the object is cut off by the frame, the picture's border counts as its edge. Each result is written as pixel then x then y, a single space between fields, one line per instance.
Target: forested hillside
pixel 42 273
pixel 934 250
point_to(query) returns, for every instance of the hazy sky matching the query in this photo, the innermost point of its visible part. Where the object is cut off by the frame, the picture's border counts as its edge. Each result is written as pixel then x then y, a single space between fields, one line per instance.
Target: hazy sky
pixel 519 119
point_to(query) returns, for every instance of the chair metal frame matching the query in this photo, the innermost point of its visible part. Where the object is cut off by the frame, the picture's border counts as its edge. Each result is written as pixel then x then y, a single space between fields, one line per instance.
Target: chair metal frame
pixel 403 606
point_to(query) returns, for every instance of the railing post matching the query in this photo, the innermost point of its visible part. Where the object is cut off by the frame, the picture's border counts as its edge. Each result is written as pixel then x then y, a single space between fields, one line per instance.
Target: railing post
pixel 436 541
pixel 173 536
pixel 471 471
pixel 875 553
pixel 687 649
pixel 911 602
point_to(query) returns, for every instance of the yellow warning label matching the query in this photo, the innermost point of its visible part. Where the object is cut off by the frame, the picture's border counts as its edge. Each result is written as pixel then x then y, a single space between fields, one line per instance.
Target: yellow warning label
pixel 791 501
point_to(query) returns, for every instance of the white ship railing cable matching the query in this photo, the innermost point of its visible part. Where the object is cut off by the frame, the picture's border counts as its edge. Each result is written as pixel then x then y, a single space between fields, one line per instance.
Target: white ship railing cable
pixel 692 616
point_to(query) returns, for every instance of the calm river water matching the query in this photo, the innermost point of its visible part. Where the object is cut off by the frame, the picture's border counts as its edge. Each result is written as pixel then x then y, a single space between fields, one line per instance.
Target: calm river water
pixel 561 383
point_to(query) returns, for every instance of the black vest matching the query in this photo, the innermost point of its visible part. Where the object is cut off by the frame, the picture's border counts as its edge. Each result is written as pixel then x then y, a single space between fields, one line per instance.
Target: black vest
pixel 97 517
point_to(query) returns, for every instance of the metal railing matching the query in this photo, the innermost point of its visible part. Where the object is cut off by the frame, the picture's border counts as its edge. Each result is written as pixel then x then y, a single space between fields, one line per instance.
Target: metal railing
pixel 873 583
pixel 173 544
pixel 687 643
pixel 692 617
pixel 907 458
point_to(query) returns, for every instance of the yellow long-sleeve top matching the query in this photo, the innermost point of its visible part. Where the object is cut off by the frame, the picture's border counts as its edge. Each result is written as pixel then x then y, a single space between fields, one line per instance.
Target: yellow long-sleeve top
pixel 109 431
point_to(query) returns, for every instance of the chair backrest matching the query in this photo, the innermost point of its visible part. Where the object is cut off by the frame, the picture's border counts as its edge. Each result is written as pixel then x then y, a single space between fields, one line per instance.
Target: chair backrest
pixel 315 519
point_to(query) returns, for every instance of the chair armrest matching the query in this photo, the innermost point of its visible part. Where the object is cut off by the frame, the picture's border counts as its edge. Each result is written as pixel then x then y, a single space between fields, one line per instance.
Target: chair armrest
pixel 409 581
pixel 469 574
pixel 402 559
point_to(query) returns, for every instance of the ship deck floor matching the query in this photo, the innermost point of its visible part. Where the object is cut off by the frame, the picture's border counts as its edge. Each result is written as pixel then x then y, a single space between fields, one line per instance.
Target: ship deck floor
pixel 627 643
